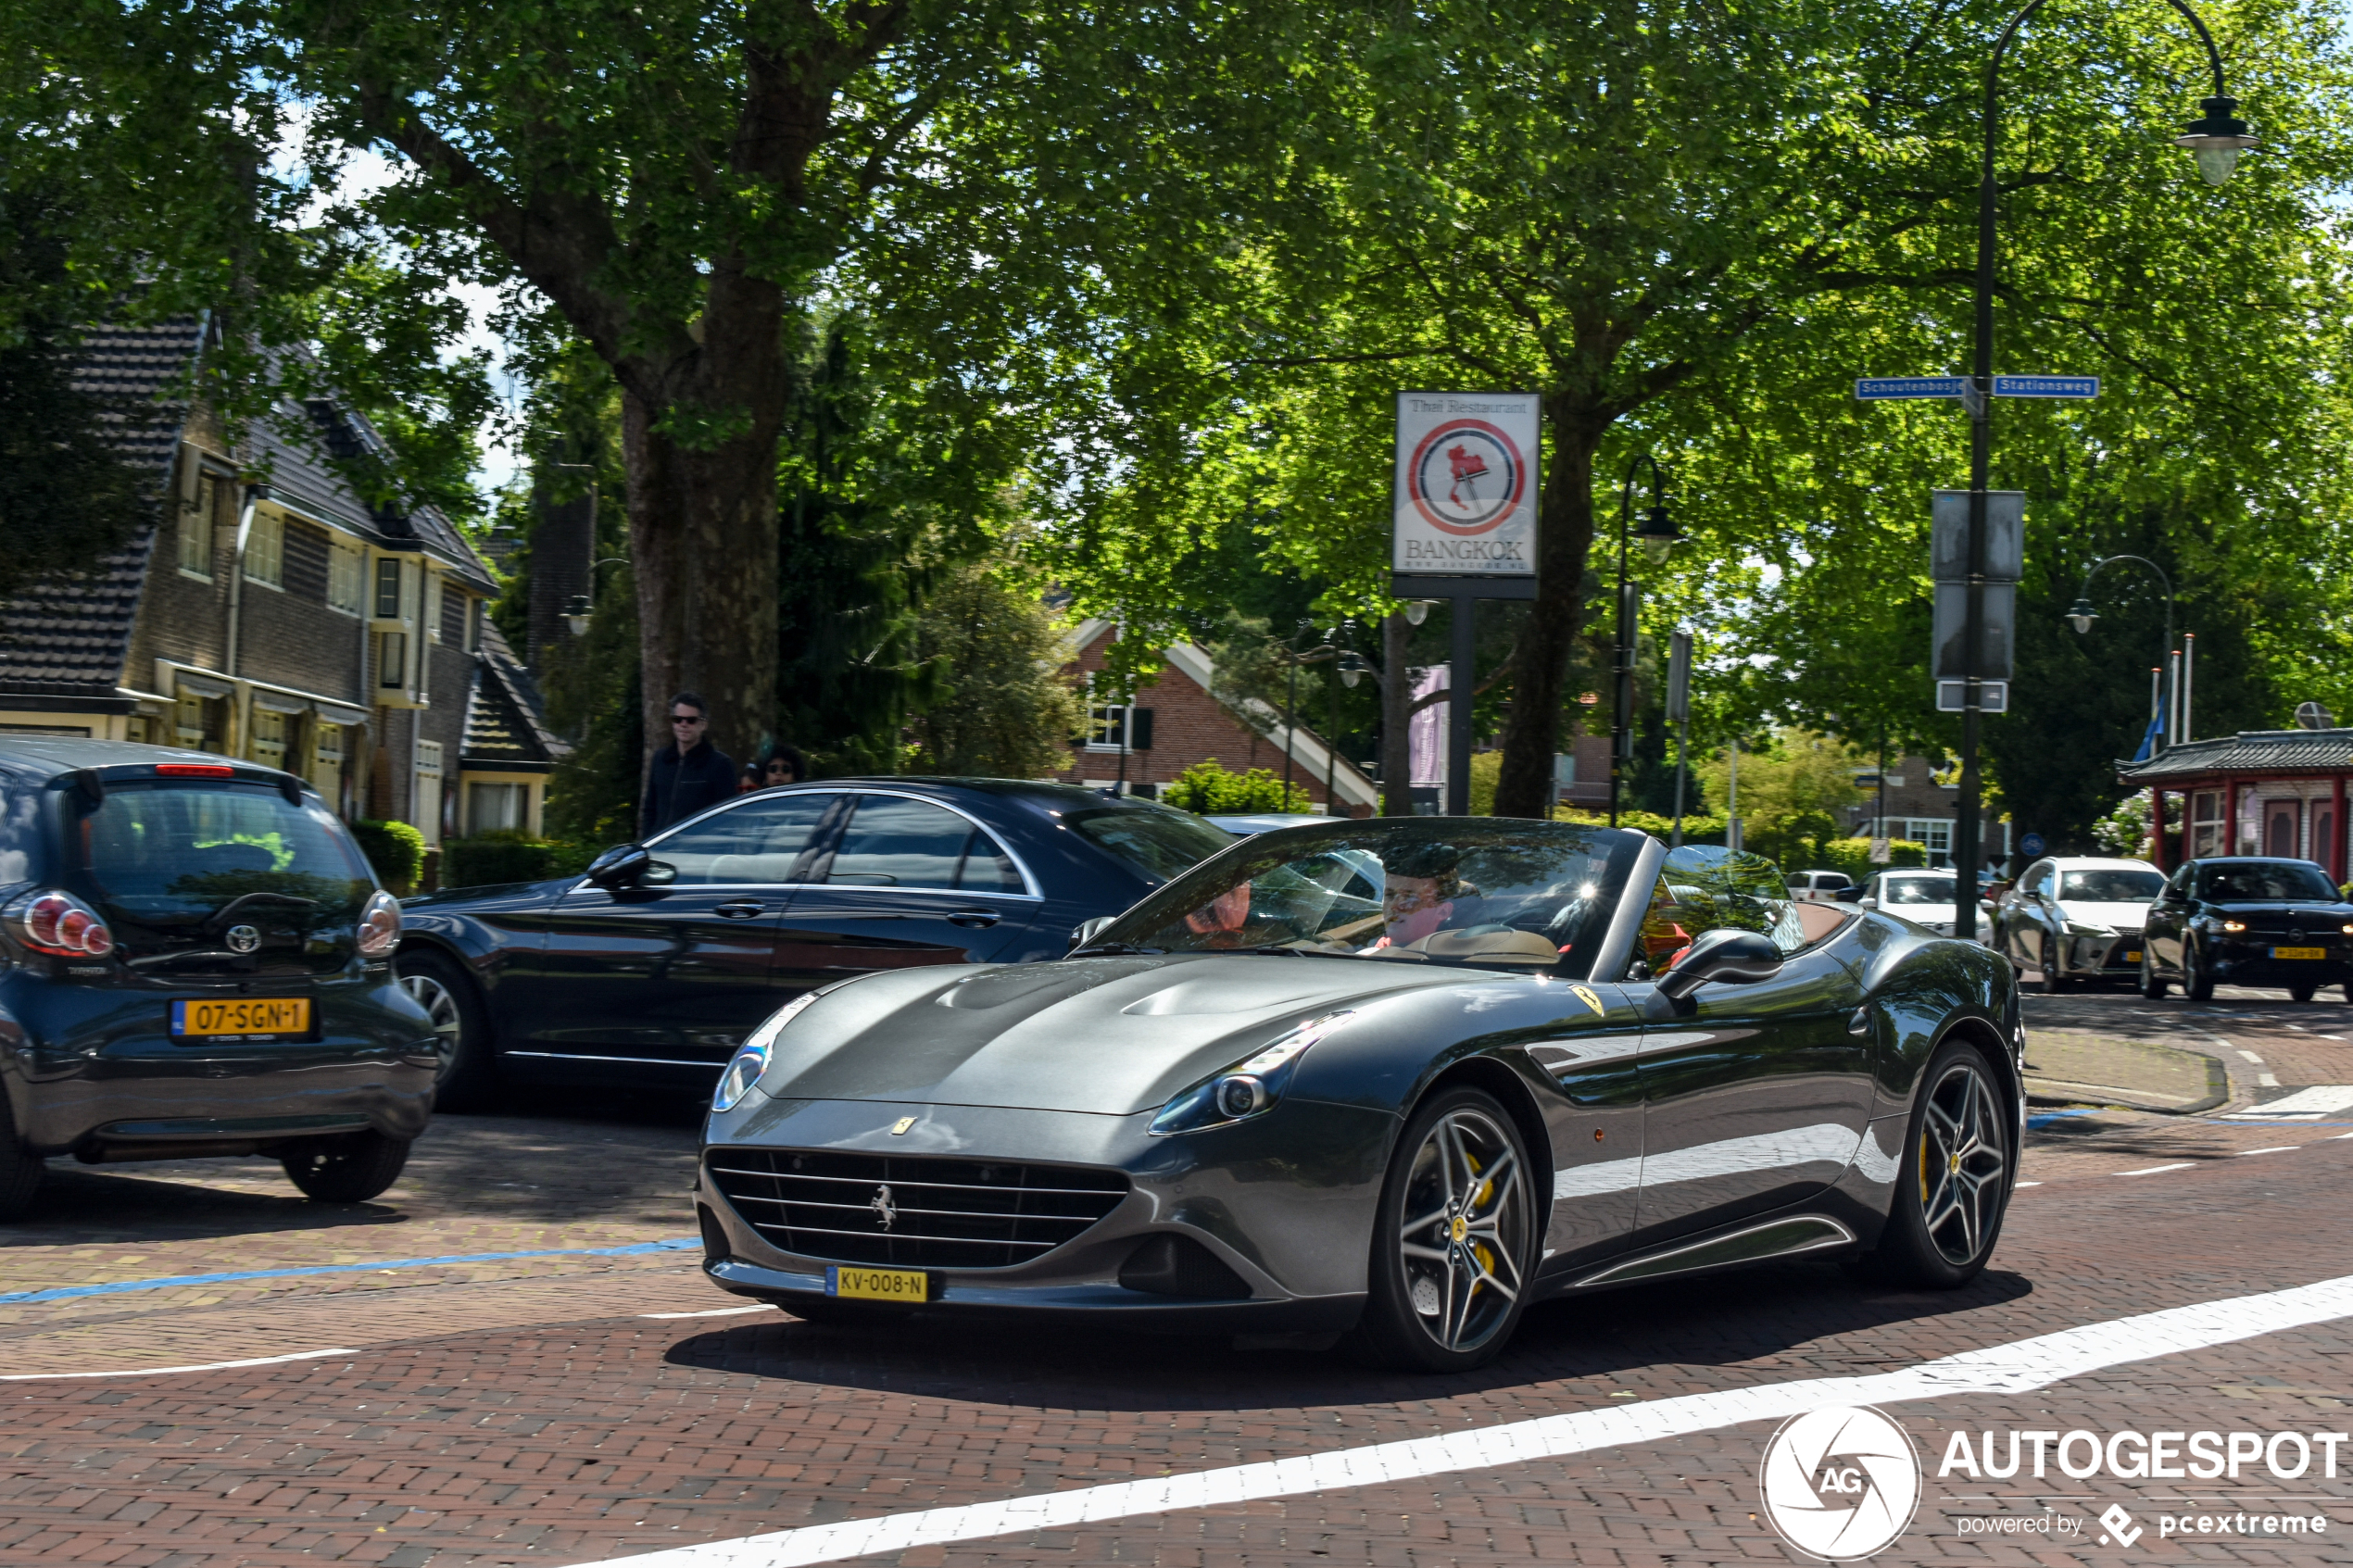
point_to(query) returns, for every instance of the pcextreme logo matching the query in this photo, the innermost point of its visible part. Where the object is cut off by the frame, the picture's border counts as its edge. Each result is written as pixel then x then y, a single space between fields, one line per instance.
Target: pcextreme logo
pixel 1840 1483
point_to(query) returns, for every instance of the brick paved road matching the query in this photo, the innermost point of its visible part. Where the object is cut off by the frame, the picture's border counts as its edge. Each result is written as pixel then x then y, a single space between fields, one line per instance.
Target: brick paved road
pixel 534 1410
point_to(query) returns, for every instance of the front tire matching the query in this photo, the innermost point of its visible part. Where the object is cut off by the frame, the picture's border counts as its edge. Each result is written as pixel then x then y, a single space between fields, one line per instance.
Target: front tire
pixel 466 1078
pixel 2151 985
pixel 1454 1242
pixel 1954 1185
pixel 349 1168
pixel 2196 984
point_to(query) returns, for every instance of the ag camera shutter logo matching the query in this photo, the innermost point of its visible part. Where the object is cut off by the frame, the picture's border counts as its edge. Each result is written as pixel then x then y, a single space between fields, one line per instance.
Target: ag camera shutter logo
pixel 1840 1483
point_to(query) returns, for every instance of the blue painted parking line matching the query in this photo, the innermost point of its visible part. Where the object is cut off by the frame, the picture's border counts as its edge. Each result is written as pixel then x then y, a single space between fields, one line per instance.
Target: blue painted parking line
pixel 69 1292
pixel 2044 1118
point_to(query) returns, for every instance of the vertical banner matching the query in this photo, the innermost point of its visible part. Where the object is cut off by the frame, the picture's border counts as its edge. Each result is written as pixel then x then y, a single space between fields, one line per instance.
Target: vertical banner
pixel 1465 490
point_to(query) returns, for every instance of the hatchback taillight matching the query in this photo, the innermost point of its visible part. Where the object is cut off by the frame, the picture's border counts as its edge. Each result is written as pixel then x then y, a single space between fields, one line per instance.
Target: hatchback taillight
pixel 380 924
pixel 59 923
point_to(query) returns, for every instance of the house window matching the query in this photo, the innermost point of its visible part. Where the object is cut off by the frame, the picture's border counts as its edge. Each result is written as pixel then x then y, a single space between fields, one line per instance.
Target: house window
pixel 387 589
pixel 435 609
pixel 195 529
pixel 1107 727
pixel 2205 824
pixel 346 572
pixel 192 723
pixel 265 550
pixel 493 806
pixel 269 743
pixel 392 660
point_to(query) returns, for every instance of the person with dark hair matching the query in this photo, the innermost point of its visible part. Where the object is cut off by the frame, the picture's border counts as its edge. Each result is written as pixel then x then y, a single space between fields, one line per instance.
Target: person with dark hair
pixel 1420 883
pixel 688 776
pixel 748 780
pixel 781 763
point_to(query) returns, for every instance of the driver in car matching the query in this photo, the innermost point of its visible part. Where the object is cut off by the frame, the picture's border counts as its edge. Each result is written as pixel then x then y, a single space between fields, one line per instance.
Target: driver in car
pixel 1419 885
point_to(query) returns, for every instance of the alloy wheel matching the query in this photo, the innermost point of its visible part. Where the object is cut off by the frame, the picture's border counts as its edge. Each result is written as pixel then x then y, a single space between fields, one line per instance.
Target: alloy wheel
pixel 1466 1230
pixel 1964 1163
pixel 441 1008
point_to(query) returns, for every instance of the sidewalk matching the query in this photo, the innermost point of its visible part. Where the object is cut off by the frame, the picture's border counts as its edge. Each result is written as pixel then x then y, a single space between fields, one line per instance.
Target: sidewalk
pixel 2080 1066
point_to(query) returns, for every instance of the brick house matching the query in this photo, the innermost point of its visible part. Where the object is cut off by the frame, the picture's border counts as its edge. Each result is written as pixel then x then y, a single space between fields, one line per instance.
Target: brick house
pixel 1923 804
pixel 268 612
pixel 1175 723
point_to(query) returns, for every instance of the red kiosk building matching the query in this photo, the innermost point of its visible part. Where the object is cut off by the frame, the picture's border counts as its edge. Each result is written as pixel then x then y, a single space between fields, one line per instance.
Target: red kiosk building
pixel 2259 791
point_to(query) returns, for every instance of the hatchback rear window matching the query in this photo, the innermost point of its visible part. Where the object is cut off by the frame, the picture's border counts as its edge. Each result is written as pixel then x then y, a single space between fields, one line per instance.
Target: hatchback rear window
pixel 1158 842
pixel 177 854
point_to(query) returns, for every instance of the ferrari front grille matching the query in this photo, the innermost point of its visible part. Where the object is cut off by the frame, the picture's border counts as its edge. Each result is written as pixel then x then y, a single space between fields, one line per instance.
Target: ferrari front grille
pixel 910 1211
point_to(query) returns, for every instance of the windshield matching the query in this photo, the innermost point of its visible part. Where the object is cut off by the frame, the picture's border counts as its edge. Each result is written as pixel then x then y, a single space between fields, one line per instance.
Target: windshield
pixel 167 858
pixel 1917 890
pixel 1517 896
pixel 2113 885
pixel 2264 882
pixel 1158 842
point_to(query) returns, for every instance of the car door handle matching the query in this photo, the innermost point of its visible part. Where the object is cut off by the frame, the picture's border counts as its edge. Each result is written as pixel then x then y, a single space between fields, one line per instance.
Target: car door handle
pixel 978 920
pixel 741 909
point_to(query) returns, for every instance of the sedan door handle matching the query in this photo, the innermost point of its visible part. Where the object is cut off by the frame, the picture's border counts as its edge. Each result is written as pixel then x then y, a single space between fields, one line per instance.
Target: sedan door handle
pixel 976 919
pixel 741 909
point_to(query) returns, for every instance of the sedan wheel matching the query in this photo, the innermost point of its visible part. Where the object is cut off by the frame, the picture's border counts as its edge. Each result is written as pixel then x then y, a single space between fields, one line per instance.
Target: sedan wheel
pixel 2152 987
pixel 1454 1245
pixel 2196 984
pixel 466 1078
pixel 1952 1193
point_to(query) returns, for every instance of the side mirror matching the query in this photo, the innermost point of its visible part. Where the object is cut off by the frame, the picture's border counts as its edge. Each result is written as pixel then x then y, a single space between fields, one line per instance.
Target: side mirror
pixel 1868 901
pixel 619 867
pixel 1728 956
pixel 1085 931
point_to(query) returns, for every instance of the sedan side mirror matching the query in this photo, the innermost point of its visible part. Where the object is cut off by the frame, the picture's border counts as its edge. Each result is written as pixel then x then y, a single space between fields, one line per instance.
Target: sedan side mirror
pixel 1732 956
pixel 619 867
pixel 1085 931
pixel 1868 901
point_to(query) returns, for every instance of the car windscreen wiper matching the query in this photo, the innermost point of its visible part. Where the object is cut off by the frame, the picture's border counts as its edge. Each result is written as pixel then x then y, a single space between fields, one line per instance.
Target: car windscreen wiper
pixel 1111 949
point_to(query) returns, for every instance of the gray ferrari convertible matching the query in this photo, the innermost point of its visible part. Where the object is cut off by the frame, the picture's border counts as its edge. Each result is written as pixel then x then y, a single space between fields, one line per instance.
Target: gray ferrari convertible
pixel 1396 1079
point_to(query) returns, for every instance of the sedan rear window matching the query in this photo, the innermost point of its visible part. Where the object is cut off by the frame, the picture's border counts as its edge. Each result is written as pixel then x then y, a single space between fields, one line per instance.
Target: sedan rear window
pixel 2115 885
pixel 1158 842
pixel 177 854
pixel 2264 882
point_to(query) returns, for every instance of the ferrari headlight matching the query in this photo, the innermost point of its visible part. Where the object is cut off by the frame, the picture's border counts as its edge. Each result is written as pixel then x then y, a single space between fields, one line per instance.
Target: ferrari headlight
pixel 1250 1087
pixel 751 1060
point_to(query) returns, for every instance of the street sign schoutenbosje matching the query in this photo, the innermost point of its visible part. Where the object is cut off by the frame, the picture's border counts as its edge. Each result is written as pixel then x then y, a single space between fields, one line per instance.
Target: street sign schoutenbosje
pixel 1878 388
pixel 1466 484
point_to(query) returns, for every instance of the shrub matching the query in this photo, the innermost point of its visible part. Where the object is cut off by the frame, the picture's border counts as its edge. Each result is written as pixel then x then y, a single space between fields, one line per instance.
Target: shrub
pixel 395 850
pixel 1696 829
pixel 505 855
pixel 1853 856
pixel 1207 787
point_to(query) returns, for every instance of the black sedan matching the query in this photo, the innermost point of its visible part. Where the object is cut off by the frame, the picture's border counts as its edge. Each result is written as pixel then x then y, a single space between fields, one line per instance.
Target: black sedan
pixel 2244 919
pixel 1401 1078
pixel 650 970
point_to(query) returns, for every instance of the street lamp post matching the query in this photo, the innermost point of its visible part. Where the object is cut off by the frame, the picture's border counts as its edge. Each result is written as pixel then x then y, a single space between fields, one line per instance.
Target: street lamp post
pixel 2080 615
pixel 2216 140
pixel 1658 535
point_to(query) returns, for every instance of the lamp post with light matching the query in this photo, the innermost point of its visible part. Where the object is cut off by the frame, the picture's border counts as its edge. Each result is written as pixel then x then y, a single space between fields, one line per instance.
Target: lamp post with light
pixel 2080 615
pixel 1658 535
pixel 2215 139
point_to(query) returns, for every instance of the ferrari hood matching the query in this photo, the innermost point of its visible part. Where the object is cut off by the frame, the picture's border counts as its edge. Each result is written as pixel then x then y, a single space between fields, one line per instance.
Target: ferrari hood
pixel 1111 1035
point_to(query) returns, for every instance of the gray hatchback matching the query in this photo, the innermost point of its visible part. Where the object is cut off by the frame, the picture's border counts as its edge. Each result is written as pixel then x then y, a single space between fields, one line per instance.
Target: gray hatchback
pixel 195 960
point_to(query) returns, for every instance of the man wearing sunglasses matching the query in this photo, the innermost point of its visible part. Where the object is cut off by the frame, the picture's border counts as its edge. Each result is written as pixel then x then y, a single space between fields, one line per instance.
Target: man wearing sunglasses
pixel 688 776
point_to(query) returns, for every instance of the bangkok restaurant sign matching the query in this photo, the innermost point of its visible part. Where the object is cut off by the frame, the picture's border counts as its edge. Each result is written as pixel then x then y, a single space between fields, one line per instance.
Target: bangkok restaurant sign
pixel 1466 498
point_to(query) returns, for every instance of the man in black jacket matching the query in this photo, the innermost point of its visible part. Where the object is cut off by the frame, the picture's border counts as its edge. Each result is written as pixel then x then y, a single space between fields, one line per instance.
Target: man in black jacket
pixel 689 777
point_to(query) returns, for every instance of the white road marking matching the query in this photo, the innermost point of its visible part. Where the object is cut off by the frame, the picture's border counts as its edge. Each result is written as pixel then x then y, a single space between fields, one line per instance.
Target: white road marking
pixel 2305 1105
pixel 2038 1184
pixel 2338 1038
pixel 2152 1170
pixel 2267 1080
pixel 160 1370
pixel 713 1312
pixel 2015 1367
pixel 2281 1148
pixel 2253 1058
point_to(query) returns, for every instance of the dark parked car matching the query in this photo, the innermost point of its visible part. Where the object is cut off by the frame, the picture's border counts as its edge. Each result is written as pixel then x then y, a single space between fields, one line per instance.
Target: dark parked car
pixel 1400 1077
pixel 2244 919
pixel 195 960
pixel 648 971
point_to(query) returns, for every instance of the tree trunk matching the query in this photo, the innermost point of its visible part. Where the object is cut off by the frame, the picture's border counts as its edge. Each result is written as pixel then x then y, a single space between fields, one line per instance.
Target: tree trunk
pixel 703 523
pixel 1396 719
pixel 1565 531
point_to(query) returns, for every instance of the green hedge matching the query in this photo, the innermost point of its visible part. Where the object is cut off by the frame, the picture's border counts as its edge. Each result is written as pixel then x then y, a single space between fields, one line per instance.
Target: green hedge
pixel 395 850
pixel 504 855
pixel 1206 786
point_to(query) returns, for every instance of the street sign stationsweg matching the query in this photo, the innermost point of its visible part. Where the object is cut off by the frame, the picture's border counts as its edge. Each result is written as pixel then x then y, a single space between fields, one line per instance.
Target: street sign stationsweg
pixel 1465 491
pixel 2046 386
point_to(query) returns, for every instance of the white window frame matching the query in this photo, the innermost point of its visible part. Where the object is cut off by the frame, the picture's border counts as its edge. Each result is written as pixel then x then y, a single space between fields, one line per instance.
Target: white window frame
pixel 431 618
pixel 388 572
pixel 199 524
pixel 266 549
pixel 346 577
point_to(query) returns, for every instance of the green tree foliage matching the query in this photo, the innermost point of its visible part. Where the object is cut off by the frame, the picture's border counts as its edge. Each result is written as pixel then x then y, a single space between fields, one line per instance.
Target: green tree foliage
pixel 1792 795
pixel 1002 708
